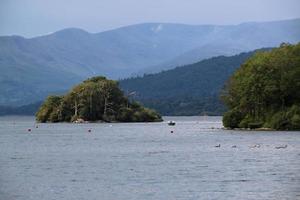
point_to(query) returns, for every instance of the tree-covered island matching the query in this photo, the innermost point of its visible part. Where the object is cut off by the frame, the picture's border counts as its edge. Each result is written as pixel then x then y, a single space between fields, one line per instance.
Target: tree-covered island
pixel 96 99
pixel 265 91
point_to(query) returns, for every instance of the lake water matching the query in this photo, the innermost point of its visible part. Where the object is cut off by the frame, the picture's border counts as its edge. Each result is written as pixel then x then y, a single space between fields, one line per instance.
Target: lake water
pixel 146 161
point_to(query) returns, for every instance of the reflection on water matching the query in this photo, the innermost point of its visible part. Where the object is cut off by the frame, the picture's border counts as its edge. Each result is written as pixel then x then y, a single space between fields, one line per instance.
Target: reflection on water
pixel 198 160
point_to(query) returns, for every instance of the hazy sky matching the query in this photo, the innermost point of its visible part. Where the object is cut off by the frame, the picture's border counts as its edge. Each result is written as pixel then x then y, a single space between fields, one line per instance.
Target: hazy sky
pixel 37 17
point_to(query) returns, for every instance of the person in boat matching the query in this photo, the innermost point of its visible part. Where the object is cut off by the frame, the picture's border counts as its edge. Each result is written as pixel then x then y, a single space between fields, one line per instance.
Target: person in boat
pixel 171 123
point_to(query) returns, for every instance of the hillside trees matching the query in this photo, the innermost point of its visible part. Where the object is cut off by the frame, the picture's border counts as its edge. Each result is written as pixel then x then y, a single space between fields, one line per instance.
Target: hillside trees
pixel 265 91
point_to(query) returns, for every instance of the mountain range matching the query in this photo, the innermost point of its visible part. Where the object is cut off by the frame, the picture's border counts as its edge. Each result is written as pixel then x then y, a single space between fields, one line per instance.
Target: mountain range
pixel 32 68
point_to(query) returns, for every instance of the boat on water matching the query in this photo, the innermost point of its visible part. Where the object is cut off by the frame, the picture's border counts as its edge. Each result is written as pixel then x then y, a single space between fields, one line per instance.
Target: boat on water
pixel 171 123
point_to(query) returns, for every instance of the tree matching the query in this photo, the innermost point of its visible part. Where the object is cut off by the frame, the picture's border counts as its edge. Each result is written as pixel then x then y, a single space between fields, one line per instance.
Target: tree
pixel 95 99
pixel 264 89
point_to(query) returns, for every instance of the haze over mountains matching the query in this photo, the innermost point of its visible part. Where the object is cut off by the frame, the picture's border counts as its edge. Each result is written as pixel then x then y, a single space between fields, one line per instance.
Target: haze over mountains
pixel 33 68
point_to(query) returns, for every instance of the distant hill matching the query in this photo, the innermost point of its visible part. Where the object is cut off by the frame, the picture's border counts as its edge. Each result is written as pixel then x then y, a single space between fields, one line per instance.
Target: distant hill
pixel 189 90
pixel 26 110
pixel 33 68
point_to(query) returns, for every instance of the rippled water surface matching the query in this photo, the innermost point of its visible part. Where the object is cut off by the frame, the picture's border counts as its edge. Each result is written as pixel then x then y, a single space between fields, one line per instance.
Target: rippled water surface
pixel 146 161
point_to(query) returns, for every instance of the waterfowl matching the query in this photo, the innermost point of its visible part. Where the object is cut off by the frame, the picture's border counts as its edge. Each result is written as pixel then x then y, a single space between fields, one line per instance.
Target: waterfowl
pixel 255 146
pixel 281 147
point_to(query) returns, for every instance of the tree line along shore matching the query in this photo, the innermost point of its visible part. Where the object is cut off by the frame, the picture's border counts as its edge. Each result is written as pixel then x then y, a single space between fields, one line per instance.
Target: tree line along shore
pixel 264 93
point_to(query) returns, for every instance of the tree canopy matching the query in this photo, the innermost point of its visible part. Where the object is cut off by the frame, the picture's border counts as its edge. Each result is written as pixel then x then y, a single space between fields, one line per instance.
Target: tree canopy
pixel 95 99
pixel 265 91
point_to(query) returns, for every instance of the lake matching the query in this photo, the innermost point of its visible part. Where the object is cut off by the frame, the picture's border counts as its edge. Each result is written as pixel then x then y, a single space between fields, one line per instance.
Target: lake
pixel 122 161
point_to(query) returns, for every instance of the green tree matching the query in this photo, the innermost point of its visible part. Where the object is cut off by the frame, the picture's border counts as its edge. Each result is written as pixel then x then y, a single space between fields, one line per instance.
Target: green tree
pixel 95 99
pixel 264 89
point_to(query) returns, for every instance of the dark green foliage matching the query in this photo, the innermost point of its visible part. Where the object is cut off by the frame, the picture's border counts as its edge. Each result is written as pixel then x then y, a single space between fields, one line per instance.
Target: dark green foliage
pixel 288 119
pixel 186 106
pixel 254 125
pixel 95 99
pixel 189 90
pixel 232 118
pixel 49 109
pixel 266 91
pixel 137 113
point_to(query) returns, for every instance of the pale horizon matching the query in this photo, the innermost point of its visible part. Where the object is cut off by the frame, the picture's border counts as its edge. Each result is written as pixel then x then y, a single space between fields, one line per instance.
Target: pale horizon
pixel 31 18
pixel 123 26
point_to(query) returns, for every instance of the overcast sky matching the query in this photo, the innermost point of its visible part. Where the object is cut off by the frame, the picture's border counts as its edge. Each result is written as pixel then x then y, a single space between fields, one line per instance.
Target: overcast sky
pixel 37 17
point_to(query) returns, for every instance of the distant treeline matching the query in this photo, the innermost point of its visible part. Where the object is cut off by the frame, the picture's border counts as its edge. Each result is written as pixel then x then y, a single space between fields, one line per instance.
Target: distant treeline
pixel 29 110
pixel 188 106
pixel 188 90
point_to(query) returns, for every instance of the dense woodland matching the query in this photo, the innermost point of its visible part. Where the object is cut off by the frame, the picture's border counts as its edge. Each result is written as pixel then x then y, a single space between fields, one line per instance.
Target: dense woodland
pixel 188 90
pixel 265 91
pixel 96 99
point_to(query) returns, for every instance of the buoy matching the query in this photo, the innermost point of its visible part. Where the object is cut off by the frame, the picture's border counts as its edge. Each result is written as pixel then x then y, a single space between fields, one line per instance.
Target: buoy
pixel 89 130
pixel 29 129
pixel 172 131
pixel 36 126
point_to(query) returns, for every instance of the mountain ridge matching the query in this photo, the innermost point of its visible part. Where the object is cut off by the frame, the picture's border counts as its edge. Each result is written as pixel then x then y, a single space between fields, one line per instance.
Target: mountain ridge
pixel 55 62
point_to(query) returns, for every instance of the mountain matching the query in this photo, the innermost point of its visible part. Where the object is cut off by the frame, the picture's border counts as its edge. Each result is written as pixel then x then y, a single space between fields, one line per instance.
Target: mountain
pixel 31 68
pixel 189 90
pixel 231 40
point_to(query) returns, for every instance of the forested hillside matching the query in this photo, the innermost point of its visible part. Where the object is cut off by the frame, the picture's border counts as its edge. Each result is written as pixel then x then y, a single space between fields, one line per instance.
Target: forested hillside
pixel 188 90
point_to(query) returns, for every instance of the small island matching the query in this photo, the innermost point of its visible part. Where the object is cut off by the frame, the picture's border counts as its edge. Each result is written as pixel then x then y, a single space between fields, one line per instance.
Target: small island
pixel 96 99
pixel 264 93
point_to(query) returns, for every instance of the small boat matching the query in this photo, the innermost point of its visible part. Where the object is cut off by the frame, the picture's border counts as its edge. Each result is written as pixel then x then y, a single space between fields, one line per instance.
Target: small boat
pixel 171 123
